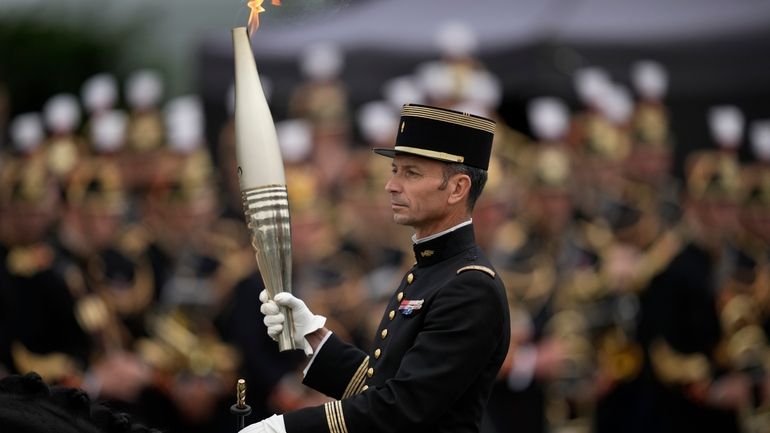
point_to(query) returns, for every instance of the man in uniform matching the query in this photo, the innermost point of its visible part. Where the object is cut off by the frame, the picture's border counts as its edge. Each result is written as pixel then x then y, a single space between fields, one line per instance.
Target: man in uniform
pixel 445 331
pixel 544 261
pixel 40 336
pixel 680 324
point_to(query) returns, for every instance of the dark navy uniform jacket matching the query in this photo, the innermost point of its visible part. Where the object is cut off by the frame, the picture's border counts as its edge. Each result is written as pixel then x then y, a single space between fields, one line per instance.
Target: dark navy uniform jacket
pixel 439 346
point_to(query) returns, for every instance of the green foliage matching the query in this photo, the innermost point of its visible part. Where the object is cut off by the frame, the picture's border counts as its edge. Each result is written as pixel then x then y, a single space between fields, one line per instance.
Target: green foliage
pixel 42 56
pixel 40 60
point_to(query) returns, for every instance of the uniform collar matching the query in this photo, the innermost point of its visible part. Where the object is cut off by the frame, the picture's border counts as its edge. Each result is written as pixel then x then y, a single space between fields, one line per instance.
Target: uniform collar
pixel 434 250
pixel 435 235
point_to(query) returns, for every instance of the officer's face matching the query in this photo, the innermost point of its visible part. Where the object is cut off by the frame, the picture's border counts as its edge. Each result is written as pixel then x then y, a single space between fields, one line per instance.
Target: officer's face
pixel 417 197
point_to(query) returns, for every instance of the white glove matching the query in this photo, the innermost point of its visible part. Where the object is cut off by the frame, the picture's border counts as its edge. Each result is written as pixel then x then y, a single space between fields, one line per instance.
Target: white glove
pixel 305 322
pixel 274 424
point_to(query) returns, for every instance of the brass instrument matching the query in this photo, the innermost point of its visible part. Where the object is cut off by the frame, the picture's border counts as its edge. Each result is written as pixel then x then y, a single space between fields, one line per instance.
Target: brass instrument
pixel 746 350
pixel 569 405
pixel 177 345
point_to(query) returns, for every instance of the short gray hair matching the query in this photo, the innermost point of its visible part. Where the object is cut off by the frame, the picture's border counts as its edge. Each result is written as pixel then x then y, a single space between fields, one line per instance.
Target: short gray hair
pixel 478 180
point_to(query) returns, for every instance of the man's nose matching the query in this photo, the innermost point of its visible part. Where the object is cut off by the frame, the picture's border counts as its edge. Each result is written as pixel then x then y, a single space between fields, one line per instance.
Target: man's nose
pixel 391 185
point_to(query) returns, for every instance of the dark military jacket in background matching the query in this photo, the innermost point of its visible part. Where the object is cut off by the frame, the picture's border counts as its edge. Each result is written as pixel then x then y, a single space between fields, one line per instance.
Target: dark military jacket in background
pixel 439 346
pixel 680 307
pixel 38 314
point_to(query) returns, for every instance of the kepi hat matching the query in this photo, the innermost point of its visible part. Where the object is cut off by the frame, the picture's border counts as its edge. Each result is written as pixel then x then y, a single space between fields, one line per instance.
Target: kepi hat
pixel 443 135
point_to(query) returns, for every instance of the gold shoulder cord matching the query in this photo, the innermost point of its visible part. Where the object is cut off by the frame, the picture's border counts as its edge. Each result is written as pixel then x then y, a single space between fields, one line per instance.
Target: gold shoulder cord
pixel 484 269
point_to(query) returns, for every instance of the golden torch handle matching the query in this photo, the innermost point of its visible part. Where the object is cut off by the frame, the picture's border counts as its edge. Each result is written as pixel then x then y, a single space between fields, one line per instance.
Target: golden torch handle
pixel 267 214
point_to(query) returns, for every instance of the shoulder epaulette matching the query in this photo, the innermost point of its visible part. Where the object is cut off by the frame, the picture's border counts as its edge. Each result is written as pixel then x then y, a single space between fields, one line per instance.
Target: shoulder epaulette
pixel 484 269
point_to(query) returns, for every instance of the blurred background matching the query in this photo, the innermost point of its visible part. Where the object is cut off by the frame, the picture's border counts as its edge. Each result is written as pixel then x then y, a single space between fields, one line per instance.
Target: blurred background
pixel 627 208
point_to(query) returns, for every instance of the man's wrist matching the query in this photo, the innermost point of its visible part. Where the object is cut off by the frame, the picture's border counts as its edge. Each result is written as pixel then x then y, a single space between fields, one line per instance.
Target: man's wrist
pixel 316 337
pixel 325 334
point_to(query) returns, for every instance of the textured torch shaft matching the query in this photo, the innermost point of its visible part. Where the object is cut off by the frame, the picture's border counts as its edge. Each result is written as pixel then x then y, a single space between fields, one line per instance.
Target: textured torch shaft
pixel 267 214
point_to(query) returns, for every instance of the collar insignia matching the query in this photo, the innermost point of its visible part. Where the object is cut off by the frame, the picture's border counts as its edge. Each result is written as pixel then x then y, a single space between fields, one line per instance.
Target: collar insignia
pixel 426 253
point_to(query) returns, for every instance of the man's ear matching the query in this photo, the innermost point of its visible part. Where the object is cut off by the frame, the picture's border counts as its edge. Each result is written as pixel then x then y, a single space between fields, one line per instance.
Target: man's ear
pixel 460 186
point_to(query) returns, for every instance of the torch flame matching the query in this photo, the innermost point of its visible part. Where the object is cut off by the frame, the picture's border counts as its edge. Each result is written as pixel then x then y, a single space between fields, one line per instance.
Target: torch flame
pixel 256 9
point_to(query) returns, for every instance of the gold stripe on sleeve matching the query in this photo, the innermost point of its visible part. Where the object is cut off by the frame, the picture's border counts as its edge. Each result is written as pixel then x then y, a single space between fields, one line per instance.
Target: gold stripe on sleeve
pixel 361 388
pixel 340 418
pixel 330 419
pixel 357 379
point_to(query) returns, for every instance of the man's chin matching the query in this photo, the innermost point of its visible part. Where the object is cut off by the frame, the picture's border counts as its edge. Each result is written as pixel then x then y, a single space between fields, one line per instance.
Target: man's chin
pixel 400 220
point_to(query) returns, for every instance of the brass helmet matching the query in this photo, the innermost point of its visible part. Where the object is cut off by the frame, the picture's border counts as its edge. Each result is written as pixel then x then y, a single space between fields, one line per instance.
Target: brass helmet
pixel 183 178
pixel 756 177
pixel 712 175
pixel 25 181
pixel 552 169
pixel 96 184
pixel 755 186
pixel 28 200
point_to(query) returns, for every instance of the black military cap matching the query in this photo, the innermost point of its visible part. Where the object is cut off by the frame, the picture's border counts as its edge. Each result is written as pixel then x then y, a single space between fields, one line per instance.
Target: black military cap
pixel 444 135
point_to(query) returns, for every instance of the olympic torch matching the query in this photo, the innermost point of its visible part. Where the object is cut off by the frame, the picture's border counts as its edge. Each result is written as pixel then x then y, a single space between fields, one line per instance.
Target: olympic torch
pixel 262 179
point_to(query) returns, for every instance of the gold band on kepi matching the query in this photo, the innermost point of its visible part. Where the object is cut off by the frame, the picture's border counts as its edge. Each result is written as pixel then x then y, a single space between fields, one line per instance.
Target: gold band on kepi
pixel 444 135
pixel 443 156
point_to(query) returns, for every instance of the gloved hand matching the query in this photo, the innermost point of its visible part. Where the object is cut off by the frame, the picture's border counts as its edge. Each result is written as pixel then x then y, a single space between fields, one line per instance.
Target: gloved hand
pixel 305 322
pixel 274 424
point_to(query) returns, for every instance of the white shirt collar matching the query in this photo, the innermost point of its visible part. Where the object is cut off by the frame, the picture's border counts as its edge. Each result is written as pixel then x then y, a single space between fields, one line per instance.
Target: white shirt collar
pixel 435 235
